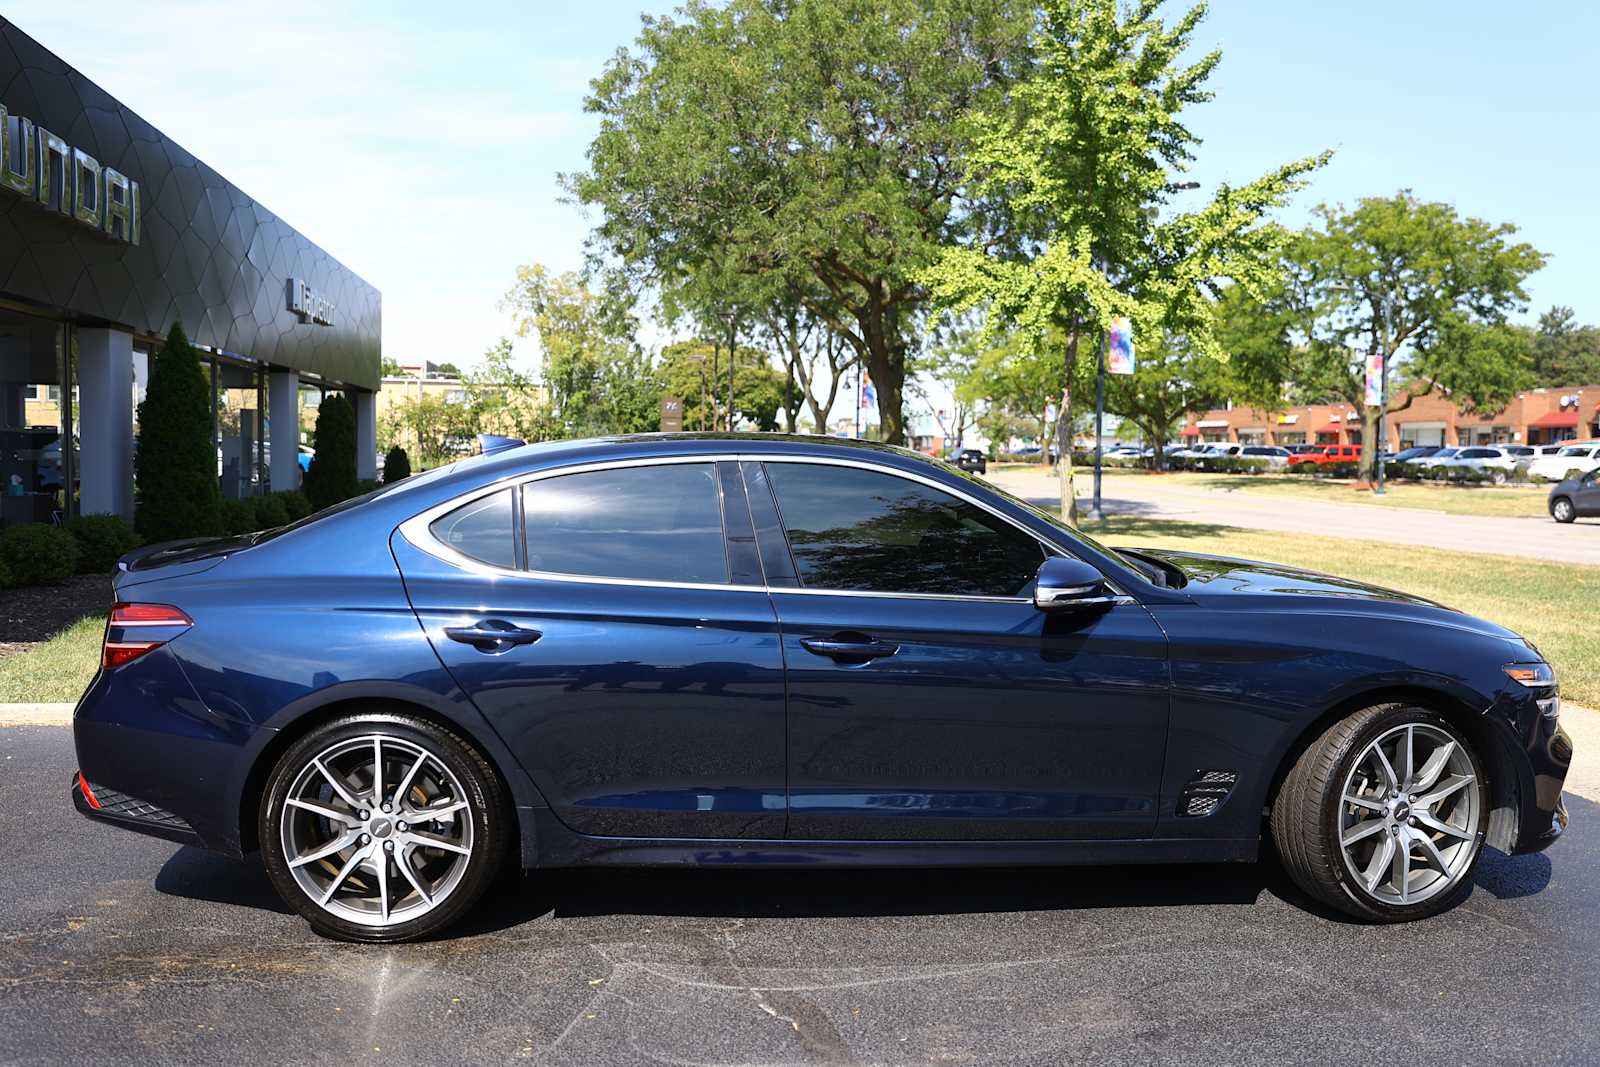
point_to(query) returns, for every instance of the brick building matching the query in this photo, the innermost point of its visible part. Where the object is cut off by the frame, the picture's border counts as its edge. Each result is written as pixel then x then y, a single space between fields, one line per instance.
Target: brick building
pixel 1537 416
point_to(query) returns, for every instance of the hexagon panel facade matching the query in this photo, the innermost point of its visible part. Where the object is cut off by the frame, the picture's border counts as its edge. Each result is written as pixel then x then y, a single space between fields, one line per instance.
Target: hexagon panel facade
pixel 207 256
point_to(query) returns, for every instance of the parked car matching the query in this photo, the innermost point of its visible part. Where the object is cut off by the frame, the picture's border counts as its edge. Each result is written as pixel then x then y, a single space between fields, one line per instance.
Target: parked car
pixel 1300 450
pixel 1521 454
pixel 1414 453
pixel 1576 497
pixel 754 649
pixel 1495 464
pixel 1439 458
pixel 1207 459
pixel 1583 456
pixel 972 461
pixel 1277 458
pixel 1322 455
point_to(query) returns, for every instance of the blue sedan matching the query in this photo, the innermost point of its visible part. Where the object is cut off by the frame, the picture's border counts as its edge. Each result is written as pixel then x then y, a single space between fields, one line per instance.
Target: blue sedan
pixel 752 649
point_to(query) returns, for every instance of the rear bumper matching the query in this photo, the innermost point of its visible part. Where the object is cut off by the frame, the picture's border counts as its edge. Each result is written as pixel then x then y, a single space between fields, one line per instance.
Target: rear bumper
pixel 119 809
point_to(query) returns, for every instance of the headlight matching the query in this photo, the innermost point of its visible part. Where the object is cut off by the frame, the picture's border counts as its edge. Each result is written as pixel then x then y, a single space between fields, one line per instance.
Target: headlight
pixel 1531 675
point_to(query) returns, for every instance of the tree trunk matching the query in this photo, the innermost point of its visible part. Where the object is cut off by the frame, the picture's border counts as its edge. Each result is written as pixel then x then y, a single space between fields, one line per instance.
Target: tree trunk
pixel 1368 471
pixel 1069 499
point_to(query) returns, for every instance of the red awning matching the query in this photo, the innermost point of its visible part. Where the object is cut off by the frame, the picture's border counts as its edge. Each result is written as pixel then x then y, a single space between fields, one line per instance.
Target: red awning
pixel 1191 431
pixel 1332 427
pixel 1555 420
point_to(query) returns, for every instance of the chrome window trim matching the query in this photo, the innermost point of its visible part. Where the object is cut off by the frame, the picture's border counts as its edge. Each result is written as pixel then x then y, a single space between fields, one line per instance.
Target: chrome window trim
pixel 415 529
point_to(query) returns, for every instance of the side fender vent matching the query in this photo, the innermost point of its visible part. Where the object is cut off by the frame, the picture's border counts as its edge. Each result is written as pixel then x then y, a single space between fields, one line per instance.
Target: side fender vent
pixel 1203 794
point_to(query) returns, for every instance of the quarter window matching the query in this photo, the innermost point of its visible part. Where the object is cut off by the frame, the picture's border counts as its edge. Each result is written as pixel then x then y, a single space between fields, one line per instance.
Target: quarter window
pixel 483 530
pixel 659 523
pixel 861 530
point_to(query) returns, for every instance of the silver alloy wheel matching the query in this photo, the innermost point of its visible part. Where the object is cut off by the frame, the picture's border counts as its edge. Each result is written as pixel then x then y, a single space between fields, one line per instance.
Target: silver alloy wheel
pixel 1563 510
pixel 1408 815
pixel 377 830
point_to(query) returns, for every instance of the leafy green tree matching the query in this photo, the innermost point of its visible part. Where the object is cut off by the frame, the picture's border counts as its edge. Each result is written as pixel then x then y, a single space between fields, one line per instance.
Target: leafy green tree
pixel 950 360
pixel 815 144
pixel 332 476
pixel 392 368
pixel 175 468
pixel 1414 282
pixel 1017 383
pixel 758 389
pixel 396 465
pixel 449 370
pixel 1565 353
pixel 1084 153
pixel 596 380
pixel 436 429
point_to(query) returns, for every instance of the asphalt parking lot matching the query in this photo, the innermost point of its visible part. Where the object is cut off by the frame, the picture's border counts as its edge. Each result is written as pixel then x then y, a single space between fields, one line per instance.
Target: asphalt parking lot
pixel 121 949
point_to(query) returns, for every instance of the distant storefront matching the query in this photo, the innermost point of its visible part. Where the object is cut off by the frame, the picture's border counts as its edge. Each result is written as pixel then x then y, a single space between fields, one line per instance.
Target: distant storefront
pixel 1535 417
pixel 110 233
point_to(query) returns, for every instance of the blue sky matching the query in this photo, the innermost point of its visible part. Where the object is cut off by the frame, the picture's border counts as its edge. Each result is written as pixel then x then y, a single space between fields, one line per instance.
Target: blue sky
pixel 422 151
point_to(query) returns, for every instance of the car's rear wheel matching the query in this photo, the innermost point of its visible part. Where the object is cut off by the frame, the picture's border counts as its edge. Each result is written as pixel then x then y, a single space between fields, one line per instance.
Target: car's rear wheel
pixel 1562 510
pixel 382 827
pixel 1383 816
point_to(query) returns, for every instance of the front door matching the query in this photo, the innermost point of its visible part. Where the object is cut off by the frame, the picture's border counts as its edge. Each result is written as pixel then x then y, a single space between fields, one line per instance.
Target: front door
pixel 622 647
pixel 1587 500
pixel 928 697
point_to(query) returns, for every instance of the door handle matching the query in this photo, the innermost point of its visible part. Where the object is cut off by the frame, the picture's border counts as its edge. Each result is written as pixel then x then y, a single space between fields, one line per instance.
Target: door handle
pixel 493 635
pixel 846 649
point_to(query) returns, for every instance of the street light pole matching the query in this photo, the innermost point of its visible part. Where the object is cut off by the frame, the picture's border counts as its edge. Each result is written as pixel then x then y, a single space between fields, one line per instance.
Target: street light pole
pixel 1383 400
pixel 1095 512
pixel 732 318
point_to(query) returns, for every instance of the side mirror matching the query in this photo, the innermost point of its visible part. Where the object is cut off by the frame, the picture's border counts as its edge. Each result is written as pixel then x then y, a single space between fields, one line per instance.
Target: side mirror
pixel 1067 584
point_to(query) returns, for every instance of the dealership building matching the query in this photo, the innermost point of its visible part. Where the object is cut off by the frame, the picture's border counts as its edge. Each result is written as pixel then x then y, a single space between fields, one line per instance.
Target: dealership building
pixel 109 233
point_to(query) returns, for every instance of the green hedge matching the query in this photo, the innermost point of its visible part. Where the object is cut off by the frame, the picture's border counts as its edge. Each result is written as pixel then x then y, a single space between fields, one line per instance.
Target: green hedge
pixel 102 540
pixel 175 469
pixel 396 465
pixel 37 554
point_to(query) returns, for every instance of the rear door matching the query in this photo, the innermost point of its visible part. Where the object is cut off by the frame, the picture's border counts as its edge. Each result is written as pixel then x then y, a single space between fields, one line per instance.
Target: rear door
pixel 928 697
pixel 622 645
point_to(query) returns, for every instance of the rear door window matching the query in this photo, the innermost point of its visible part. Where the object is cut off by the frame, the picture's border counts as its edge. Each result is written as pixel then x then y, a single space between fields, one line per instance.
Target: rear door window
pixel 658 523
pixel 484 529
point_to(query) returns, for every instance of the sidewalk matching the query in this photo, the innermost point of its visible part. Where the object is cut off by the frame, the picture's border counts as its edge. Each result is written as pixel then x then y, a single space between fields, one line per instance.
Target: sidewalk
pixel 1152 498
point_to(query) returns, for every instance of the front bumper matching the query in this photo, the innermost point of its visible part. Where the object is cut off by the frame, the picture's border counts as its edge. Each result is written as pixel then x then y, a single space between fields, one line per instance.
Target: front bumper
pixel 1540 842
pixel 103 804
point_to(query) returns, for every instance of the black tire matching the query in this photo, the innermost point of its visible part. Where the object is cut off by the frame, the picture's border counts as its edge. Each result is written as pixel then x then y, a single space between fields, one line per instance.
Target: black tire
pixel 489 812
pixel 1306 816
pixel 1561 510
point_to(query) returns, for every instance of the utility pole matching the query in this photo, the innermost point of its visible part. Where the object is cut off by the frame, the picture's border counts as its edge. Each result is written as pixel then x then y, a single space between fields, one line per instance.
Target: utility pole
pixel 1383 399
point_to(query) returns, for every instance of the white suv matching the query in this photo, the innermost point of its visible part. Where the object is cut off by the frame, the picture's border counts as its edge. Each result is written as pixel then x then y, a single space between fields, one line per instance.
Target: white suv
pixel 1495 464
pixel 1583 457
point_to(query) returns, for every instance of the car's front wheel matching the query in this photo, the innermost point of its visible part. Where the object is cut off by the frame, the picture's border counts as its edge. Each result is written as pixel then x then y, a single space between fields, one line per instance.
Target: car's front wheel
pixel 382 827
pixel 1561 509
pixel 1383 816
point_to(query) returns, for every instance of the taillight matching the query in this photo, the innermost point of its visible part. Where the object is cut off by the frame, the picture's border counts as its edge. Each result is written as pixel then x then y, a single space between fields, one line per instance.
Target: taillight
pixel 129 647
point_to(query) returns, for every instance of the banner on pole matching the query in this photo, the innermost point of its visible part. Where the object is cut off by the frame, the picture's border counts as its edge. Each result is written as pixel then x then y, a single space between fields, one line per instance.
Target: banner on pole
pixel 1374 380
pixel 1119 347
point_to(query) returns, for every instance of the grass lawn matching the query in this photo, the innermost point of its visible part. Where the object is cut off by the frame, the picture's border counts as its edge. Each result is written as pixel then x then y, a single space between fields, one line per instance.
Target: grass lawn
pixel 56 671
pixel 1551 604
pixel 1515 501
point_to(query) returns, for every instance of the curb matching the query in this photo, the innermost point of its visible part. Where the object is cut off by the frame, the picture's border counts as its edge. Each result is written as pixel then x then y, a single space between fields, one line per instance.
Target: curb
pixel 36 714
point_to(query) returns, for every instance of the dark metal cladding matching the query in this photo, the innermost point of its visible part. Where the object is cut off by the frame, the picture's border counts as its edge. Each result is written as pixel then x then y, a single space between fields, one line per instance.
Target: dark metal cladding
pixel 207 255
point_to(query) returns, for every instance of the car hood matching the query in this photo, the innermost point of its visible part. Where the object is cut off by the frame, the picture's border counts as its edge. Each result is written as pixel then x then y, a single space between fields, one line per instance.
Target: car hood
pixel 1280 587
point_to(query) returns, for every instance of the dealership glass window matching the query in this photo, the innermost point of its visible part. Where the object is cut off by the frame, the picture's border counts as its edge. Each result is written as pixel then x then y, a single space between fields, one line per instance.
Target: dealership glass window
pixel 239 428
pixel 34 411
